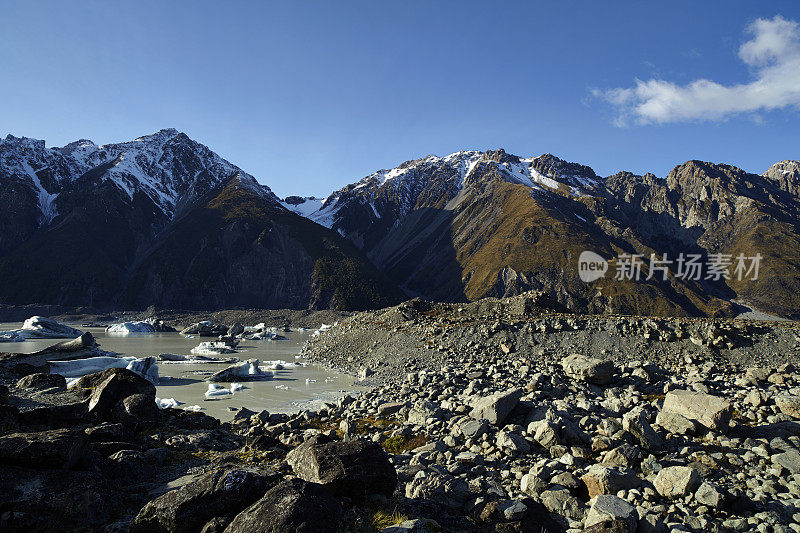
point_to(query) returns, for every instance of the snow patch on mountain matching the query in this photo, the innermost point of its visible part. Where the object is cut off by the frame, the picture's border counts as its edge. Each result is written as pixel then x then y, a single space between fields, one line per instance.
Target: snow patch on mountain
pixel 167 166
pixel 408 179
pixel 304 207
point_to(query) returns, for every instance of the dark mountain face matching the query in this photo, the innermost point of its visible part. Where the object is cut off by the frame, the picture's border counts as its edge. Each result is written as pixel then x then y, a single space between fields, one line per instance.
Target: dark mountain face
pixel 163 220
pixel 477 224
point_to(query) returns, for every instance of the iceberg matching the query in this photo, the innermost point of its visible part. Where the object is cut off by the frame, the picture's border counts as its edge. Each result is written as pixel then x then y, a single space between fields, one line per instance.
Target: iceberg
pixel 245 371
pixel 39 327
pixel 166 403
pixel 126 328
pixel 212 348
pixel 171 358
pixel 145 367
pixel 75 368
pixel 215 390
pixel 81 367
pixel 322 329
pixel 237 386
pixel 266 336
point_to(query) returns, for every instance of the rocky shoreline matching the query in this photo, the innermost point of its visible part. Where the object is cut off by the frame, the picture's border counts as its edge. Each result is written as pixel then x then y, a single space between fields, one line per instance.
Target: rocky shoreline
pixel 482 417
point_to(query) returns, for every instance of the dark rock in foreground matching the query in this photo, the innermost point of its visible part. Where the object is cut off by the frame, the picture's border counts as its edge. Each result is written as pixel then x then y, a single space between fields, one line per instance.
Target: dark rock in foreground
pixel 215 494
pixel 347 468
pixel 293 505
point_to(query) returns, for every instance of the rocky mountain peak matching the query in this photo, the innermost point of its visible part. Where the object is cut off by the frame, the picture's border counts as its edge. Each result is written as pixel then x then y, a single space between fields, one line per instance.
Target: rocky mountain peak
pixel 786 174
pixel 500 156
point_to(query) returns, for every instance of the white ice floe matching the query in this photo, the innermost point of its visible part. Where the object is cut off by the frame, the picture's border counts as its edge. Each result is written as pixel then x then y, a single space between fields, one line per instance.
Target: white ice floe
pixel 322 329
pixel 309 380
pixel 39 327
pixel 194 408
pixel 126 328
pixel 282 387
pixel 215 391
pixel 244 371
pixel 281 365
pixel 165 403
pixel 237 387
pixel 212 348
pixel 171 358
pixel 75 368
pixel 266 336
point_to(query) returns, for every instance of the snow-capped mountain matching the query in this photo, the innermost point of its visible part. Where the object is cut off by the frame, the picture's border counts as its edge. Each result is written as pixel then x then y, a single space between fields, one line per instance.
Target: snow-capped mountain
pixel 410 184
pixel 168 167
pixel 162 220
pixel 476 224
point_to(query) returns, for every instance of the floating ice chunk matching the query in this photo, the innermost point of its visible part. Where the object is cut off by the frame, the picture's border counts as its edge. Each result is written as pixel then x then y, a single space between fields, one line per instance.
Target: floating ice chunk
pixel 309 380
pixel 237 386
pixel 246 371
pixel 266 336
pixel 80 367
pixel 171 358
pixel 145 367
pixel 75 368
pixel 194 408
pixel 39 327
pixel 322 329
pixel 212 348
pixel 126 328
pixel 215 390
pixel 282 387
pixel 165 403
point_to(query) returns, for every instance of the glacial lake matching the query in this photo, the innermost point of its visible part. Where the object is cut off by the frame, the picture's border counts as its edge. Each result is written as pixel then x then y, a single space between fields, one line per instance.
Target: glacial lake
pixel 291 389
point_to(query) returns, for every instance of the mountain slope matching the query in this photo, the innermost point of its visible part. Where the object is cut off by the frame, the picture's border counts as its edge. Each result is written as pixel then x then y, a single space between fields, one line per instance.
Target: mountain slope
pixel 241 249
pixel 477 224
pixel 116 225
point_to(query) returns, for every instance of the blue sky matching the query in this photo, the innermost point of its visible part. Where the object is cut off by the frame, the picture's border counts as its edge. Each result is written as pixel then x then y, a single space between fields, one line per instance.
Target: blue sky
pixel 310 96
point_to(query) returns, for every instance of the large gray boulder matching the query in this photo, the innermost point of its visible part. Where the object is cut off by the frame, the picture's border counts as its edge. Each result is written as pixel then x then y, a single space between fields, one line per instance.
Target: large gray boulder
pixel 789 404
pixel 635 422
pixel 790 460
pixel 712 412
pixel 293 505
pixel 496 407
pixel 675 423
pixel 441 488
pixel 115 384
pixel 601 479
pixel 597 371
pixel 57 448
pixel 609 508
pixel 355 468
pixel 421 412
pixel 214 494
pixel 677 481
pixel 137 410
pixel 561 501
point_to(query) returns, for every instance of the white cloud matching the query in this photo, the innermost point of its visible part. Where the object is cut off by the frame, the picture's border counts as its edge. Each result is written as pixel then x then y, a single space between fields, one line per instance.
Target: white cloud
pixel 773 53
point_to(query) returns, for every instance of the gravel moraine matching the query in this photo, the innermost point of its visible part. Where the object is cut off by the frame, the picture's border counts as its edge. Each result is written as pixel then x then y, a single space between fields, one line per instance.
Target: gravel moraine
pixel 482 417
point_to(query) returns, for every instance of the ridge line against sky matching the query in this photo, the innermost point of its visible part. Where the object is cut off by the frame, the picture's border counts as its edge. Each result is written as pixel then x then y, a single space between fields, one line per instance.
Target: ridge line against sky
pixel 309 97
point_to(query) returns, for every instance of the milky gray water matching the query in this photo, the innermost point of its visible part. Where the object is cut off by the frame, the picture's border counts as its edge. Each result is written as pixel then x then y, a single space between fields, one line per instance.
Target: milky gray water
pixel 290 390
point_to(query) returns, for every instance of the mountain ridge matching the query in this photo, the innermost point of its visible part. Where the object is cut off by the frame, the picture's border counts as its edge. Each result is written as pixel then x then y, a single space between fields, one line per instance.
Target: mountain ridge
pixel 455 228
pixel 699 207
pixel 114 206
